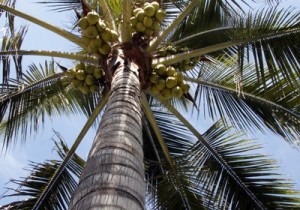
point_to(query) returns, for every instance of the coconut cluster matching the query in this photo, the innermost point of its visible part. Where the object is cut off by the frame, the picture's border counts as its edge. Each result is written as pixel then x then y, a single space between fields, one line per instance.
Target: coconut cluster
pixel 147 19
pixel 184 65
pixel 85 77
pixel 97 34
pixel 166 82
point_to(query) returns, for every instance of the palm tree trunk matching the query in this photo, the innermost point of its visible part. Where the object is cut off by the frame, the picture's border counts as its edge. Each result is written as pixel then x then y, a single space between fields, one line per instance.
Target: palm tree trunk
pixel 113 177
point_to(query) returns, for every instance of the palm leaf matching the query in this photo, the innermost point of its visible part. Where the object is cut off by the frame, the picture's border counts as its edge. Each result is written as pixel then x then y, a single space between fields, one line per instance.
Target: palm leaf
pixel 33 186
pixel 252 107
pixel 25 105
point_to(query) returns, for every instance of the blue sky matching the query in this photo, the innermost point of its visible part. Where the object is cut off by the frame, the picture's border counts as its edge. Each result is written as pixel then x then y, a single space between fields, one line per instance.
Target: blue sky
pixel 39 147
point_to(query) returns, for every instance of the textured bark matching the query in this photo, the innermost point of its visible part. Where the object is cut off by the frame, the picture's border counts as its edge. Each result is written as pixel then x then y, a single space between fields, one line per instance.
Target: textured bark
pixel 113 177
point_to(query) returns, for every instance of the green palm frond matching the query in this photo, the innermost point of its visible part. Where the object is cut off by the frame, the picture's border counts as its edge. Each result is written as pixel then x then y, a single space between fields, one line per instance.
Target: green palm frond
pixel 201 182
pixel 41 174
pixel 249 105
pixel 25 105
pixel 12 41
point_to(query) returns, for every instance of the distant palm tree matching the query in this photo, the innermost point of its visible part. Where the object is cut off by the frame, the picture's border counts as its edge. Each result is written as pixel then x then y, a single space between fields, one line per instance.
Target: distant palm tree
pixel 139 64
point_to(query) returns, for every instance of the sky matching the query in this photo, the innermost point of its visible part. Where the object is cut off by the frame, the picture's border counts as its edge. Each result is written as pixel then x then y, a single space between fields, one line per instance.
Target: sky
pixel 40 148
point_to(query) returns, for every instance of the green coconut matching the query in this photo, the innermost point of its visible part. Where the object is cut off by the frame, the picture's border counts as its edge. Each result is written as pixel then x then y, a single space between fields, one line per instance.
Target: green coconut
pixel 94 88
pixel 96 43
pixel 80 75
pixel 89 69
pixel 149 32
pixel 85 89
pixel 80 66
pixel 114 36
pixel 105 49
pixel 77 83
pixel 106 35
pixel 140 27
pixel 166 94
pixel 161 84
pixel 93 17
pixel 155 4
pixel 155 26
pixel 160 15
pixel 64 81
pixel 83 23
pixel 171 82
pixel 91 32
pixel 148 21
pixel 154 91
pixel 71 73
pixel 101 26
pixel 170 71
pixel 98 73
pixel 179 77
pixel 154 78
pixel 149 10
pixel 185 87
pixel 133 21
pixel 176 92
pixel 162 51
pixel 89 79
pixel 160 69
pixel 136 11
pixel 140 15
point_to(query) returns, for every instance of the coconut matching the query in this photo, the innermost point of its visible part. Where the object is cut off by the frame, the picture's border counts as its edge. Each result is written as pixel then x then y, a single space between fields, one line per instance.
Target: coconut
pixel 80 75
pixel 161 84
pixel 92 50
pixel 83 23
pixel 77 83
pixel 148 21
pixel 171 82
pixel 98 73
pixel 93 17
pixel 96 43
pixel 85 89
pixel 149 10
pixel 166 94
pixel 64 81
pixel 154 78
pixel 176 92
pixel 89 79
pixel 155 26
pixel 114 36
pixel 71 73
pixel 149 32
pixel 155 4
pixel 133 21
pixel 140 15
pixel 137 10
pixel 101 26
pixel 79 66
pixel 185 87
pixel 160 69
pixel 160 15
pixel 89 69
pixel 140 27
pixel 170 71
pixel 162 51
pixel 91 32
pixel 179 77
pixel 94 88
pixel 154 91
pixel 105 49
pixel 106 35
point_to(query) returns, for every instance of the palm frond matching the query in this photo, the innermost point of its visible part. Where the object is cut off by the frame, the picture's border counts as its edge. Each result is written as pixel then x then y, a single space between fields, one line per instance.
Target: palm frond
pixel 33 186
pixel 25 105
pixel 249 106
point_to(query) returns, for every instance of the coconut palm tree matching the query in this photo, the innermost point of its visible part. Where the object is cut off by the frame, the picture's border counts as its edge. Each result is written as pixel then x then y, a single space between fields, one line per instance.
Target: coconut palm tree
pixel 138 59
